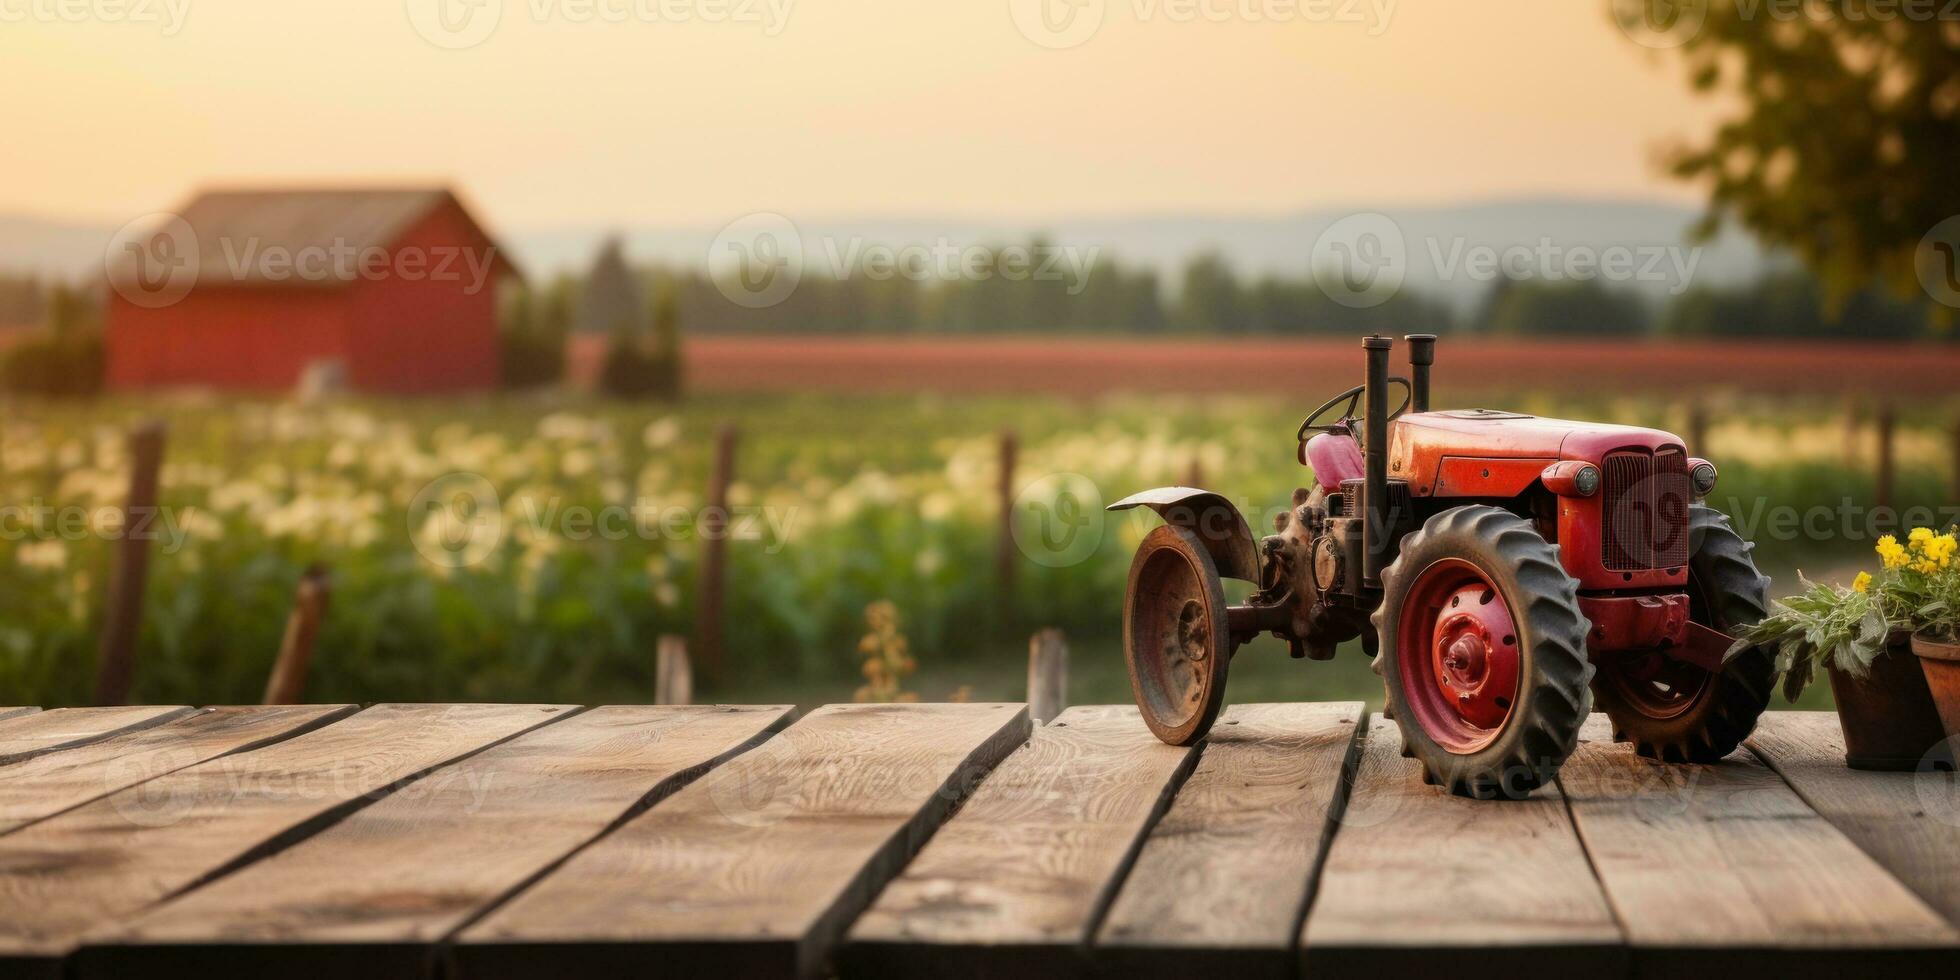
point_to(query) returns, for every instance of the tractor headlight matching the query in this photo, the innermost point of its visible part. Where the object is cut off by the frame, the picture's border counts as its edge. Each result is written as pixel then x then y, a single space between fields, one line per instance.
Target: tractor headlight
pixel 1586 481
pixel 1702 475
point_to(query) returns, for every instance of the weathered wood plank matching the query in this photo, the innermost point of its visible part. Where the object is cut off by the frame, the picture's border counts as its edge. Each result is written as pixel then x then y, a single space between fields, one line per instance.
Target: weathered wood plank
pixel 35 734
pixel 6 713
pixel 1723 870
pixel 49 784
pixel 1222 881
pixel 375 892
pixel 755 869
pixel 1016 881
pixel 1907 822
pixel 1416 877
pixel 95 865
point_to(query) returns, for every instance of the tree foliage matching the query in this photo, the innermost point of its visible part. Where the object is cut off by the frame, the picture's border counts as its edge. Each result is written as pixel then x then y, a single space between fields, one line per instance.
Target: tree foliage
pixel 1844 146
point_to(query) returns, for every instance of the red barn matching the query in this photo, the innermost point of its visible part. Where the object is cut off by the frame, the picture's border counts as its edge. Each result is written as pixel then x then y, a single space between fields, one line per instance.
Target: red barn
pixel 245 289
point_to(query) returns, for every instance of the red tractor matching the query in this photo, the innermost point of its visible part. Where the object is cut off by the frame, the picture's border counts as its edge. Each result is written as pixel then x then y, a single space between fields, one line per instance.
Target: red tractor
pixel 1505 572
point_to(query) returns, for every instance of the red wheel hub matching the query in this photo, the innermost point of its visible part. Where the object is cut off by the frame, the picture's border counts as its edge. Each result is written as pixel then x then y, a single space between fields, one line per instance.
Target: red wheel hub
pixel 1457 651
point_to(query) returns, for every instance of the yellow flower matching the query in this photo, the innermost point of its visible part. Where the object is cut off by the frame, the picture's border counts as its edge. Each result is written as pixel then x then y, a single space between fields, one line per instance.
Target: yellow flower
pixel 1919 536
pixel 1925 566
pixel 1863 583
pixel 1940 548
pixel 1890 552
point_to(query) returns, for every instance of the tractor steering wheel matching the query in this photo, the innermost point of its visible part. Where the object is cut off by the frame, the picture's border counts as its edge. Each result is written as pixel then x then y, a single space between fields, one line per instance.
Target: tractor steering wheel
pixel 1348 401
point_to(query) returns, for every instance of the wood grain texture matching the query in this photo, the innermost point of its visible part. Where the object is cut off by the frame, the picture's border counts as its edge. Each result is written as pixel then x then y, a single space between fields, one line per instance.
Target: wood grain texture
pixel 1908 822
pixel 755 869
pixel 1724 870
pixel 1417 878
pixel 49 784
pixel 27 736
pixel 1222 881
pixel 1017 880
pixel 374 893
pixel 6 713
pixel 97 864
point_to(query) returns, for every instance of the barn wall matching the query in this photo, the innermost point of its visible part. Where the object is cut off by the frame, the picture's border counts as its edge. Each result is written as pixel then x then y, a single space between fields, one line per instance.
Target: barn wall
pixel 416 335
pixel 241 337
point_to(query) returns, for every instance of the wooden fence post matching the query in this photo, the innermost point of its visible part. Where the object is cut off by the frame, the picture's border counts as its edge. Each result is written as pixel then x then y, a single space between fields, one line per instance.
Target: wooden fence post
pixel 1887 421
pixel 1194 474
pixel 673 679
pixel 1954 494
pixel 713 528
pixel 1004 552
pixel 287 685
pixel 1047 675
pixel 1698 430
pixel 123 623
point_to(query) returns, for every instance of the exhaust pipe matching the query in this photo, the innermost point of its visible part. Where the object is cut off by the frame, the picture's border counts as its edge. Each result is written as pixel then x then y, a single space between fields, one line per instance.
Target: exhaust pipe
pixel 1422 353
pixel 1374 447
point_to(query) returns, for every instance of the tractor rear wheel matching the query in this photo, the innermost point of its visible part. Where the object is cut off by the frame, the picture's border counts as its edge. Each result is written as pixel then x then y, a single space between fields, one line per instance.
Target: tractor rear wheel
pixel 1177 637
pixel 1482 649
pixel 1677 712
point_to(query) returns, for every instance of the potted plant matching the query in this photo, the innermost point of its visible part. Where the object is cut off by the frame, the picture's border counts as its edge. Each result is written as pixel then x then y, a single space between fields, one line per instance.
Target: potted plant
pixel 1923 586
pixel 1882 697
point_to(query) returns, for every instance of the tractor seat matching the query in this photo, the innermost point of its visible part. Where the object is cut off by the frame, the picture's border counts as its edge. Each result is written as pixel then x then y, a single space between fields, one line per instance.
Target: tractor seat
pixel 1333 459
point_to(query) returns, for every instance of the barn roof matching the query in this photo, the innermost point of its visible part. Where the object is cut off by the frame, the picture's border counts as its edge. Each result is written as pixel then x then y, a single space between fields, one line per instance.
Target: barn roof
pixel 230 225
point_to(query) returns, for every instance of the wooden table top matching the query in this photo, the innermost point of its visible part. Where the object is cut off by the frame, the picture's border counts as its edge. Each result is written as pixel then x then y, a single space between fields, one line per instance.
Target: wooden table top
pixel 879 840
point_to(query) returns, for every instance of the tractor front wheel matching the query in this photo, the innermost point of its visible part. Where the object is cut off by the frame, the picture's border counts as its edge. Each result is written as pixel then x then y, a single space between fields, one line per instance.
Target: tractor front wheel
pixel 1675 711
pixel 1483 653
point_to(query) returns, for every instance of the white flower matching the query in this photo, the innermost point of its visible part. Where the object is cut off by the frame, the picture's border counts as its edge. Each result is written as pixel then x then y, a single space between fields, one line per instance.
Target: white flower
pixel 661 433
pixel 47 556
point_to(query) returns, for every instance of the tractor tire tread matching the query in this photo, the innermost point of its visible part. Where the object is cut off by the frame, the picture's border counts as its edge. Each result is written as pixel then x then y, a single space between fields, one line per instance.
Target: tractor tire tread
pixel 1559 696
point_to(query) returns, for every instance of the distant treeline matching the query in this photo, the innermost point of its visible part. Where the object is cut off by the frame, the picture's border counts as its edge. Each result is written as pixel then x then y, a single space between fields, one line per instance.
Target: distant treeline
pixel 1210 298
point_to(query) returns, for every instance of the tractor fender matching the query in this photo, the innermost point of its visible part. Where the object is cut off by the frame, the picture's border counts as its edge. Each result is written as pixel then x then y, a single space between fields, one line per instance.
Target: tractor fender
pixel 1219 525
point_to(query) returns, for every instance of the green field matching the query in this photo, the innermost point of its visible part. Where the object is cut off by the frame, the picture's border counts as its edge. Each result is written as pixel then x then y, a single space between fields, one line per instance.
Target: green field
pixel 850 500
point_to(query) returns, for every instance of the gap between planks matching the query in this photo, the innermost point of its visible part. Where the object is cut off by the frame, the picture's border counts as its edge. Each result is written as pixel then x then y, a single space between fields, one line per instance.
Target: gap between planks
pixel 377 892
pixel 1725 869
pixel 113 857
pixel 1225 879
pixel 38 733
pixel 56 782
pixel 1018 879
pixel 757 868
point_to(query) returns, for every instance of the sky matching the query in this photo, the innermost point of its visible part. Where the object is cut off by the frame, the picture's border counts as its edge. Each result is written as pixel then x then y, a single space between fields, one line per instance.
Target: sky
pixel 574 112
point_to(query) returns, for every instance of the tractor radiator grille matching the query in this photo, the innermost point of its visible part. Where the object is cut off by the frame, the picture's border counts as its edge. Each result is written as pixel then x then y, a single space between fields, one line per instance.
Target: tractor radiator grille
pixel 1645 510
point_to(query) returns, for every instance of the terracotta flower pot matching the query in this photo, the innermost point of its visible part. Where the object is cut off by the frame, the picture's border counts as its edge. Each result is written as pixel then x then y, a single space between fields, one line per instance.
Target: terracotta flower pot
pixel 1889 719
pixel 1940 660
